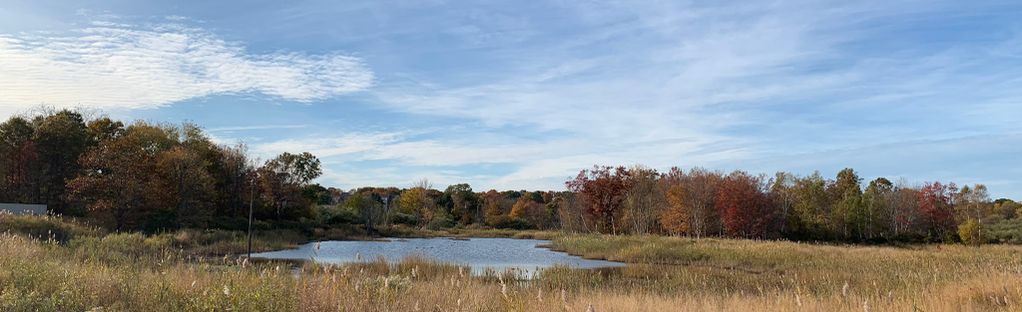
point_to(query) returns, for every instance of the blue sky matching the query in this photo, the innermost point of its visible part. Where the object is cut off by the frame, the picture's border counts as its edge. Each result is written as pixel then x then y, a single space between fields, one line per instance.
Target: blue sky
pixel 523 94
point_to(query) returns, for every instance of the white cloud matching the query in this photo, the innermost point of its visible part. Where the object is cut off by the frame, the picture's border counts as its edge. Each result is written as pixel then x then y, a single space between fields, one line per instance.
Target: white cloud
pixel 325 147
pixel 260 127
pixel 541 164
pixel 111 65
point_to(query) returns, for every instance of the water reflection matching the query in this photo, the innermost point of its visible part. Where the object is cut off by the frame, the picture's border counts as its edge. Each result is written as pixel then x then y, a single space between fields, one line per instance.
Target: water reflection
pixel 481 254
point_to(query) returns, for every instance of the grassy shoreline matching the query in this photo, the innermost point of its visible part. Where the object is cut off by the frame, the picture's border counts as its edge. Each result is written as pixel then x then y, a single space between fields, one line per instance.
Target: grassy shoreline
pixel 171 272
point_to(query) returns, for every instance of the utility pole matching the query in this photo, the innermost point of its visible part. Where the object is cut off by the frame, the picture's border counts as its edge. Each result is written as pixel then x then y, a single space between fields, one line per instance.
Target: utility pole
pixel 251 199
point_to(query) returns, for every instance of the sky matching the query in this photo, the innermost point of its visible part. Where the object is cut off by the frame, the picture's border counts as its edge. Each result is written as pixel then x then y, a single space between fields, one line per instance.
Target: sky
pixel 524 94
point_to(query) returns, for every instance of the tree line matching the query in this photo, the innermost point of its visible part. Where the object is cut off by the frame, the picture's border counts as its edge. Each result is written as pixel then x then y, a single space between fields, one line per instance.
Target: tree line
pixel 152 177
pixel 700 202
pixel 145 176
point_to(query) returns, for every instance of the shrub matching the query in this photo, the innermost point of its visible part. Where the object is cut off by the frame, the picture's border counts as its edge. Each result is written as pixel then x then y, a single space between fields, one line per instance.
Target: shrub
pixel 403 218
pixel 506 222
pixel 440 222
pixel 1005 231
pixel 342 216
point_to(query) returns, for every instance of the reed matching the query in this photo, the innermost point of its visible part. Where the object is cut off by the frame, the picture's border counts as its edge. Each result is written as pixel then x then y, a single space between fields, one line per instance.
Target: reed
pixel 135 272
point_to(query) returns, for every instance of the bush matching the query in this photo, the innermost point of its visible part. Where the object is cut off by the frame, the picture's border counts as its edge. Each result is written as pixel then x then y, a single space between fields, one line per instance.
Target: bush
pixel 440 222
pixel 1004 231
pixel 403 218
pixel 340 215
pixel 506 222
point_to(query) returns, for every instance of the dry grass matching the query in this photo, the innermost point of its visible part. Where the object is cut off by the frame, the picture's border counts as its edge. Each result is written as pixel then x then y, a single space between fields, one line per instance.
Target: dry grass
pixel 131 272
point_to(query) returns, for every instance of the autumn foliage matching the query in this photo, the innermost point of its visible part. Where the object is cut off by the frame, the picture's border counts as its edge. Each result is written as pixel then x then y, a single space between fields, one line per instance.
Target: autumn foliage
pixel 602 191
pixel 745 209
pixel 153 177
pixel 146 176
pixel 936 206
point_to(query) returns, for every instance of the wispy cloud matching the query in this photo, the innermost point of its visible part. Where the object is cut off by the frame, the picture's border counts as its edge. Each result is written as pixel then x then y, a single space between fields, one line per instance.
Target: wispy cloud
pixel 529 164
pixel 523 94
pixel 326 147
pixel 739 82
pixel 250 128
pixel 128 66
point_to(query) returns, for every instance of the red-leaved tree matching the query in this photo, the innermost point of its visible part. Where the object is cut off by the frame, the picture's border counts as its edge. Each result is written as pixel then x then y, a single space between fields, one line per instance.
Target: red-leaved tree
pixel 745 209
pixel 602 191
pixel 937 208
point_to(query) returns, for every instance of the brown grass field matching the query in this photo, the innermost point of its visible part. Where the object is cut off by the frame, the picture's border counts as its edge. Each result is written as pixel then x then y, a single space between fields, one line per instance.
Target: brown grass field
pixel 88 270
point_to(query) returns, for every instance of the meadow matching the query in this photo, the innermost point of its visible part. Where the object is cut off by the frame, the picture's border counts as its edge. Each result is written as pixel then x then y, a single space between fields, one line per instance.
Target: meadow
pixel 52 264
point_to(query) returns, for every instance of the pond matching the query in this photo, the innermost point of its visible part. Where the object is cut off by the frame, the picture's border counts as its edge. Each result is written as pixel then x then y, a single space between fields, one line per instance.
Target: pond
pixel 480 254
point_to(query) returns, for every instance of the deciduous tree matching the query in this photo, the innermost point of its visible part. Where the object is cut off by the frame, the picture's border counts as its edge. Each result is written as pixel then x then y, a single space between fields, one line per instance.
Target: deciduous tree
pixel 745 209
pixel 936 206
pixel 602 191
pixel 644 200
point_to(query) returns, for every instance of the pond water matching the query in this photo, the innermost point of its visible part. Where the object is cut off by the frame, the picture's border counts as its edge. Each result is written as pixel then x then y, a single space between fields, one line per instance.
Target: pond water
pixel 480 254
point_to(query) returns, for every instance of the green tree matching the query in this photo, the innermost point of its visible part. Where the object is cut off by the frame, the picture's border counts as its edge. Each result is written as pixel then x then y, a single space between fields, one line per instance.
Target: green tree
pixel 848 218
pixel 281 181
pixel 465 204
pixel 782 193
pixel 370 211
pixel 60 139
pixel 876 201
pixel 811 208
pixel 18 177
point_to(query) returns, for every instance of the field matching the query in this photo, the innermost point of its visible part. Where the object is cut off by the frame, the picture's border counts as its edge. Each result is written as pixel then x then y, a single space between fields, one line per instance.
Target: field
pixel 50 264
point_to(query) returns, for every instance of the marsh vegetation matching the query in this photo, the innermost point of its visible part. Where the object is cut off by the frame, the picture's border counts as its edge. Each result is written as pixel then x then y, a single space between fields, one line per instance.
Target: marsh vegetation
pixel 89 269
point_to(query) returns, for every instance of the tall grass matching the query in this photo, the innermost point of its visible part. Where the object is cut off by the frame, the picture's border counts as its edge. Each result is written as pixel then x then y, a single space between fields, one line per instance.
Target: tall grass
pixel 134 272
pixel 46 227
